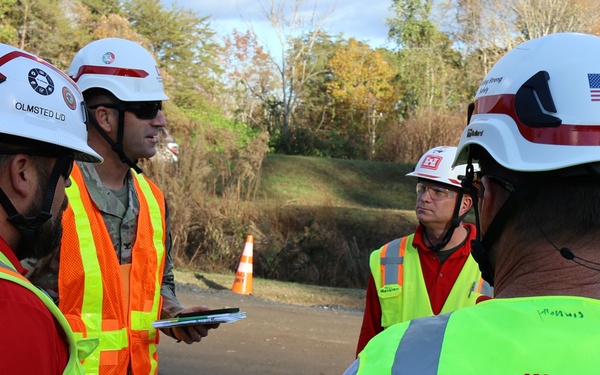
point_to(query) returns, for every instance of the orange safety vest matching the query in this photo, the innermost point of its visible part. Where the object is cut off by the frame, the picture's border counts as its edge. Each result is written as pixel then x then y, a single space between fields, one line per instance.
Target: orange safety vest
pixel 90 283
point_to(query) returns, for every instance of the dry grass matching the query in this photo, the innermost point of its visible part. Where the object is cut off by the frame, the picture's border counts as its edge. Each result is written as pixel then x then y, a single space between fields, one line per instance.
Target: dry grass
pixel 280 291
pixel 429 127
pixel 315 220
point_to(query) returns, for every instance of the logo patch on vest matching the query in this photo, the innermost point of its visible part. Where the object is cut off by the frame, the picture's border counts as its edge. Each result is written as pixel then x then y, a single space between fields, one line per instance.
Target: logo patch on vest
pixel 390 291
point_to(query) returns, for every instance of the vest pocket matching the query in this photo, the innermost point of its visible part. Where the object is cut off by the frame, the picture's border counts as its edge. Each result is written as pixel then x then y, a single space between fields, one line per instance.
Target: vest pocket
pixel 390 299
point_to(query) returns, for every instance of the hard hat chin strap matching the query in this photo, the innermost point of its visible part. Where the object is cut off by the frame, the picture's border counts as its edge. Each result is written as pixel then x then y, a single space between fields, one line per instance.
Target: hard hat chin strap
pixel 27 225
pixel 118 145
pixel 454 223
pixel 478 249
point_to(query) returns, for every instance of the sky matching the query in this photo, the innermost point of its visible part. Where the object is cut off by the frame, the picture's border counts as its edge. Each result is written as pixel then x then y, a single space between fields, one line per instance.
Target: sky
pixel 364 20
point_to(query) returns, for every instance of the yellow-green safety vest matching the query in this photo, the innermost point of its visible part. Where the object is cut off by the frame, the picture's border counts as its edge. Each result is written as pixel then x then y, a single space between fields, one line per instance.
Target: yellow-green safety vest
pixel 78 349
pixel 401 288
pixel 554 335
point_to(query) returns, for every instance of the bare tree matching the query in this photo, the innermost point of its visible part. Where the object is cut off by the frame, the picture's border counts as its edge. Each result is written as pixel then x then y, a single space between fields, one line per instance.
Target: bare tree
pixel 498 25
pixel 296 32
pixel 484 29
pixel 535 19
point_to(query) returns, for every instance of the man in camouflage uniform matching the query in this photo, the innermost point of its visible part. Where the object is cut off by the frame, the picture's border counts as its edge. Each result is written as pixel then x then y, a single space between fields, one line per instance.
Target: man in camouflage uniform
pixel 113 210
pixel 121 223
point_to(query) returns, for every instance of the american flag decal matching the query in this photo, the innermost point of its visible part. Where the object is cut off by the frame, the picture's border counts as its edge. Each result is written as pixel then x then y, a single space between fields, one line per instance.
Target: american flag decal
pixel 594 80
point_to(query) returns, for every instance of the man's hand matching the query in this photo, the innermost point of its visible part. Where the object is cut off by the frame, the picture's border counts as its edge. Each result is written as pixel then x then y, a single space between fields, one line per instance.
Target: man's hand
pixel 195 333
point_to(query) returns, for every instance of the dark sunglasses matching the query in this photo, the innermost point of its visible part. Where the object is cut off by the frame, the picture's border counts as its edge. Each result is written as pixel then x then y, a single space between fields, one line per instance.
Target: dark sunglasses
pixel 141 110
pixel 68 168
pixel 144 110
pixel 69 159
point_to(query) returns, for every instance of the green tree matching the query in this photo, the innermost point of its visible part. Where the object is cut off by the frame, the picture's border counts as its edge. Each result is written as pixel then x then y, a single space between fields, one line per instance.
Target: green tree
pixel 45 28
pixel 184 44
pixel 99 8
pixel 101 19
pixel 411 26
pixel 429 67
pixel 8 30
pixel 312 133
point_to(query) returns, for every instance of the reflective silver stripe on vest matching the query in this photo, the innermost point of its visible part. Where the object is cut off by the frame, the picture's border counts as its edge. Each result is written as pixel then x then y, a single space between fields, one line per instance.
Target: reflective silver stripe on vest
pixel 391 262
pixel 420 347
pixel 487 289
pixel 6 266
pixel 353 369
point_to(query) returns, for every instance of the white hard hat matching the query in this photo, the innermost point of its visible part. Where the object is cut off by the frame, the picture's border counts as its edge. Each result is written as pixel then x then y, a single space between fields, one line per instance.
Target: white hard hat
pixel 538 109
pixel 120 66
pixel 436 165
pixel 41 103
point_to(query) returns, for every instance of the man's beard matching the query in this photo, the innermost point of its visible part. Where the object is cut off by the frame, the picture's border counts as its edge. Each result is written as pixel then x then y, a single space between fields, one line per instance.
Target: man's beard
pixel 44 239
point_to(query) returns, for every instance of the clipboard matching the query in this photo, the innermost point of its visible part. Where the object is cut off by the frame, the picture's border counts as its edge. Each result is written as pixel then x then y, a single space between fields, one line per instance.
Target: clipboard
pixel 228 315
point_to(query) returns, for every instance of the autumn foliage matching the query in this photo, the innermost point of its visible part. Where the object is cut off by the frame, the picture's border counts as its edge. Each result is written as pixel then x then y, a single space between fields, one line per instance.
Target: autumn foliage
pixel 233 101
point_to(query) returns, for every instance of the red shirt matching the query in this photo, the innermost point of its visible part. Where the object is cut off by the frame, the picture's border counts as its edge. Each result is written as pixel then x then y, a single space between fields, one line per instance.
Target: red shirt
pixel 439 279
pixel 31 339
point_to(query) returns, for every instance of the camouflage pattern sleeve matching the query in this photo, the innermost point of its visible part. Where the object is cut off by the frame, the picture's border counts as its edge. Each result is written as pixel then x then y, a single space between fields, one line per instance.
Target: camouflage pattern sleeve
pixel 171 305
pixel 43 273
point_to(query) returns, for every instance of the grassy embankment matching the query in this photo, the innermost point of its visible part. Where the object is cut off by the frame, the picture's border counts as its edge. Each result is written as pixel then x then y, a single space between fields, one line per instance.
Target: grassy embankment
pixel 364 204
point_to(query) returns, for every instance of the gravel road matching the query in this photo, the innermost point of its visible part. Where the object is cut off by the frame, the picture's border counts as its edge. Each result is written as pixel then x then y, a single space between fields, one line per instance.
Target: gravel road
pixel 274 338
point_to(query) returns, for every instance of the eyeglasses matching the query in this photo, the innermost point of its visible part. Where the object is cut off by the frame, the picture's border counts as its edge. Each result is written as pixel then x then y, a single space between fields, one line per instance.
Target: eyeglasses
pixel 475 187
pixel 69 159
pixel 478 185
pixel 141 110
pixel 435 192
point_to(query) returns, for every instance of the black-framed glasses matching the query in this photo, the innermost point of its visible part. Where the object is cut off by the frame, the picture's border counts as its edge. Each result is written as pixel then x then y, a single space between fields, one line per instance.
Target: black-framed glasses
pixel 142 110
pixel 435 192
pixel 68 157
pixel 68 168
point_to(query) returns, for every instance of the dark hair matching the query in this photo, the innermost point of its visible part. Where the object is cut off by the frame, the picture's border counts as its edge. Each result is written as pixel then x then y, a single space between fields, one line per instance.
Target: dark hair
pixel 92 95
pixel 9 143
pixel 565 208
pixel 95 96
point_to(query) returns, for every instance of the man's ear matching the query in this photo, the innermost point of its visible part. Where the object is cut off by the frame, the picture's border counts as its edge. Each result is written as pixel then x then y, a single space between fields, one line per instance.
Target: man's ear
pixel 466 204
pixel 105 118
pixel 22 175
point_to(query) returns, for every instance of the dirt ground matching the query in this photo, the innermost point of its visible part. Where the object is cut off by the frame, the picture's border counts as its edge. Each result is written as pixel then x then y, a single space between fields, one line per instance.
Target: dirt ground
pixel 274 338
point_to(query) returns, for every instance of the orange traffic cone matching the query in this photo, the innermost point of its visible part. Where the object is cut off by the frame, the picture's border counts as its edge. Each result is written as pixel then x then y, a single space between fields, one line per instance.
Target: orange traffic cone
pixel 243 276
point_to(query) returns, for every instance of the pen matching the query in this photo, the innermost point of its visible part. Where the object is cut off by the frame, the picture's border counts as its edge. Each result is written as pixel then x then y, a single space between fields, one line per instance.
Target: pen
pixel 472 289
